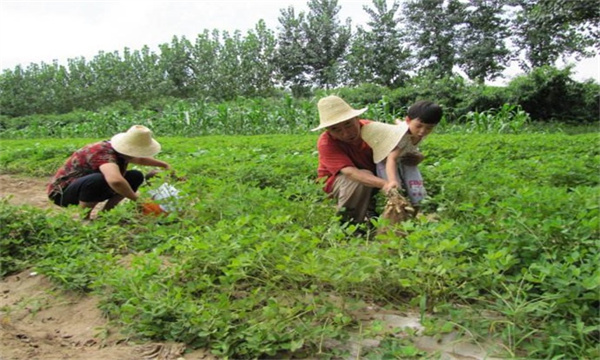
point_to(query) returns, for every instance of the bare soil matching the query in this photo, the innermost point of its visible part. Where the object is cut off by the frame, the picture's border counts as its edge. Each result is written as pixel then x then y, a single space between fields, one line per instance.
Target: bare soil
pixel 24 191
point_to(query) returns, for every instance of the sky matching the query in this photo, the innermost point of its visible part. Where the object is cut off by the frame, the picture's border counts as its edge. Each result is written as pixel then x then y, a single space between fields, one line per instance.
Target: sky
pixel 43 30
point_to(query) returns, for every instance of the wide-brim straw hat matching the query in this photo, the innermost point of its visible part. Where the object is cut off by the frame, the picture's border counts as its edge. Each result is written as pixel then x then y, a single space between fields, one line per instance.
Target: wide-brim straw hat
pixel 333 110
pixel 382 137
pixel 136 142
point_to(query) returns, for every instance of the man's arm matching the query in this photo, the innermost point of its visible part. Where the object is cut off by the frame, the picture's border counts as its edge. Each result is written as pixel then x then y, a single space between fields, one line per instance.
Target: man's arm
pixel 116 181
pixel 363 177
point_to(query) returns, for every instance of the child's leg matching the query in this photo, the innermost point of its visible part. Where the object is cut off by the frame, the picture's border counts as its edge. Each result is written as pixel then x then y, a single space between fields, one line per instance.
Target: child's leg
pixel 413 183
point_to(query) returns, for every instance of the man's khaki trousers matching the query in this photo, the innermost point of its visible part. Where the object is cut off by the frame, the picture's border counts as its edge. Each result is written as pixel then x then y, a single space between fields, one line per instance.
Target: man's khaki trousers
pixel 353 198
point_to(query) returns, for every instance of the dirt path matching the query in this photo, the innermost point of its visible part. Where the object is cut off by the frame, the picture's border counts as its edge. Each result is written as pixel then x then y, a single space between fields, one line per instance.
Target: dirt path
pixel 24 191
pixel 37 321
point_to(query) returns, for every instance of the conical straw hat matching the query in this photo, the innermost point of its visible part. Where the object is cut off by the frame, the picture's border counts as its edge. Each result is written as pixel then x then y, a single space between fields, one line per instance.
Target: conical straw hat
pixel 136 142
pixel 333 110
pixel 382 137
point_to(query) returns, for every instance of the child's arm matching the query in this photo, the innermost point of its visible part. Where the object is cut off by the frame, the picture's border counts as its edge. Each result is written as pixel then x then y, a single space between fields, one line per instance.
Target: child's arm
pixel 391 171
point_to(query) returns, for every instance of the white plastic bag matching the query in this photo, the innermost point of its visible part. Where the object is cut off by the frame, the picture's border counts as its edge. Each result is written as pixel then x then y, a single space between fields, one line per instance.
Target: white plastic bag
pixel 167 196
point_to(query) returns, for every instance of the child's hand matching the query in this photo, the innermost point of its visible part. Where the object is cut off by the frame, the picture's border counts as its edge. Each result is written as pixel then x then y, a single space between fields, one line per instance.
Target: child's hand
pixel 412 158
pixel 389 186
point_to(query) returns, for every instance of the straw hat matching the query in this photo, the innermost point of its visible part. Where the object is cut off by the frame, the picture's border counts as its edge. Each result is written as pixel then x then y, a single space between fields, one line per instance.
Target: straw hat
pixel 333 110
pixel 382 137
pixel 136 142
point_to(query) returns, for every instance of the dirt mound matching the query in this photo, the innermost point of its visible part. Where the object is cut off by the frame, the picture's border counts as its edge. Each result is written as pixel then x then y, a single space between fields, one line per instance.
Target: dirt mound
pixel 40 322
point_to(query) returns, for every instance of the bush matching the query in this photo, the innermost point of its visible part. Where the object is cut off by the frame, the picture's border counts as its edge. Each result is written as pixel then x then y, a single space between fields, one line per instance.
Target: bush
pixel 548 93
pixel 447 91
pixel 363 95
pixel 479 98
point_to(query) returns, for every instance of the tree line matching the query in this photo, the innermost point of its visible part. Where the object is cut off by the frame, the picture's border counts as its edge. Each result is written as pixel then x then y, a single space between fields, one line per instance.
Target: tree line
pixel 316 49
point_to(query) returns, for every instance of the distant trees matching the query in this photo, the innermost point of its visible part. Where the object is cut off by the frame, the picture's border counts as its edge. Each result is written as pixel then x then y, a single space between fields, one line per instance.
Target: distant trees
pixel 432 31
pixel 482 51
pixel 327 41
pixel 432 39
pixel 548 29
pixel 378 53
pixel 312 46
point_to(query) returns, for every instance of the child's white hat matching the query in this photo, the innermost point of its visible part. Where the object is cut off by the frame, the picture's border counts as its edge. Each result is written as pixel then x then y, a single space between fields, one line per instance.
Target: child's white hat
pixel 382 137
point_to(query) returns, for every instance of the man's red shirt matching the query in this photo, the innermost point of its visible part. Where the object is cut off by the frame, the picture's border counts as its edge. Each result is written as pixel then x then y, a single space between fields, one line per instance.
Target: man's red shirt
pixel 334 155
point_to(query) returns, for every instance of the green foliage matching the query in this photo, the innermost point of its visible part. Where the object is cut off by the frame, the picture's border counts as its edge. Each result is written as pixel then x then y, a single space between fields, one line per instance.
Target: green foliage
pixel 290 57
pixel 432 31
pixel 482 98
pixel 447 91
pixel 314 50
pixel 548 29
pixel 180 118
pixel 506 119
pixel 22 231
pixel 377 54
pixel 483 53
pixel 548 93
pixel 326 42
pixel 258 266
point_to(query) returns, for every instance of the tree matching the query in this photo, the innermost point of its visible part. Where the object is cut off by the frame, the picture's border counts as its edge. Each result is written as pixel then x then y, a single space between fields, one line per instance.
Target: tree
pixel 142 75
pixel 483 53
pixel 80 84
pixel 106 70
pixel 290 58
pixel 204 63
pixel 432 32
pixel 326 41
pixel 175 63
pixel 377 55
pixel 256 62
pixel 547 29
pixel 15 93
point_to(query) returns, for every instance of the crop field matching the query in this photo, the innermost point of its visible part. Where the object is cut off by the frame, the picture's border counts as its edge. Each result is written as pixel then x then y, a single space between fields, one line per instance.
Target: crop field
pixel 257 265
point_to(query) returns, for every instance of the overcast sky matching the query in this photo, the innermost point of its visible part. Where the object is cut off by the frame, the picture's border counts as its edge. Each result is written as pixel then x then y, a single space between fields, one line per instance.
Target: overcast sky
pixel 36 31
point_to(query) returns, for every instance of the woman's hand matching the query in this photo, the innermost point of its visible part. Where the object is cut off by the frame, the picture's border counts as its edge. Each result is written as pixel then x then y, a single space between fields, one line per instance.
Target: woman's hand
pixel 171 174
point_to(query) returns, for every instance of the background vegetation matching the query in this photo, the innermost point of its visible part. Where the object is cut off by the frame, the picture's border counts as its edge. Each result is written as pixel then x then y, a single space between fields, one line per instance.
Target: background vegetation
pixel 409 49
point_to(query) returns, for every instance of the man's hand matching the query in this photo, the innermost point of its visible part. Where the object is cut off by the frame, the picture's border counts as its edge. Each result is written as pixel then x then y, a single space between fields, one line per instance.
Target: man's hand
pixel 412 158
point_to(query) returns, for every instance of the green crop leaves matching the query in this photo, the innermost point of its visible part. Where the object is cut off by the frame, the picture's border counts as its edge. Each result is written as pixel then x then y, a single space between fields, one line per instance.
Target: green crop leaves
pixel 257 265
